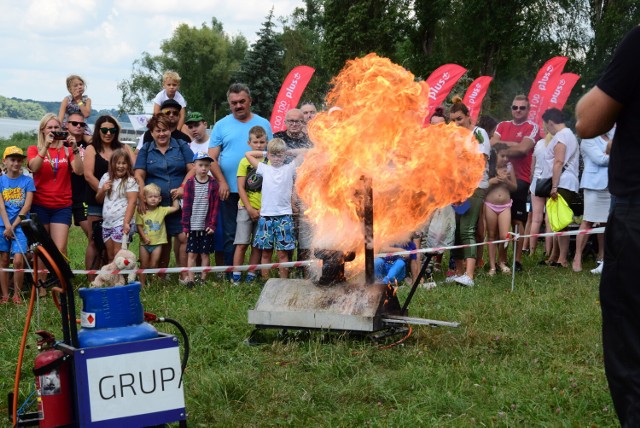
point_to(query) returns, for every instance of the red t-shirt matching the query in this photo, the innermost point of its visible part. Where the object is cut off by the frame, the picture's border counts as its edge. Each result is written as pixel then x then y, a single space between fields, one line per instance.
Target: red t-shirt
pixel 510 131
pixel 53 190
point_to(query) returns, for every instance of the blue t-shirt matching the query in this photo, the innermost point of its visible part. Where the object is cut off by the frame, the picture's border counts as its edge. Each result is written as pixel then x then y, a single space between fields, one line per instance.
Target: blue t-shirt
pixel 14 193
pixel 409 246
pixel 232 136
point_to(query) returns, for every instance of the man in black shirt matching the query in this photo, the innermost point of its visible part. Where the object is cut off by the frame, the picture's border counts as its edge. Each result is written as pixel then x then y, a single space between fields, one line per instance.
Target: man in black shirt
pixel 616 100
pixel 294 136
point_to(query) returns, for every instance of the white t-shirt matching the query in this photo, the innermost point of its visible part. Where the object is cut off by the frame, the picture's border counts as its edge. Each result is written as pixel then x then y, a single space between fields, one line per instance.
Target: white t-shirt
pixel 569 178
pixel 277 187
pixel 162 97
pixel 538 152
pixel 115 203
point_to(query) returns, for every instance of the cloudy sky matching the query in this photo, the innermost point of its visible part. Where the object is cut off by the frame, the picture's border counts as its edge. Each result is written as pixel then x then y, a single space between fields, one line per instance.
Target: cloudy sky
pixel 43 41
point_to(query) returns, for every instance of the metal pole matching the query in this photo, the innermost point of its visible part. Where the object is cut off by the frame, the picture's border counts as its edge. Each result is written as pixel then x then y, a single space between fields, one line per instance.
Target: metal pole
pixel 369 256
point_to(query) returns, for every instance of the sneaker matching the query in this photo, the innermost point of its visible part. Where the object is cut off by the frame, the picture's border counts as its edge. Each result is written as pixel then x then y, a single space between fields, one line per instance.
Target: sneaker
pixel 190 284
pixel 518 267
pixel 236 278
pixel 428 285
pixel 598 269
pixel 451 278
pixel 250 279
pixel 465 280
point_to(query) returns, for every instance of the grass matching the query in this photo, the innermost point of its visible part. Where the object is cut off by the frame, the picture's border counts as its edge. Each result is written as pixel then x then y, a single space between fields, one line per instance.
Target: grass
pixel 532 357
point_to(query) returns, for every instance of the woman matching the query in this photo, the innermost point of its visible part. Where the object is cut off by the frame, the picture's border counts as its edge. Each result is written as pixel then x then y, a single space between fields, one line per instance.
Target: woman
pixel 96 163
pixel 168 163
pixel 597 199
pixel 537 202
pixel 52 161
pixel 466 222
pixel 562 165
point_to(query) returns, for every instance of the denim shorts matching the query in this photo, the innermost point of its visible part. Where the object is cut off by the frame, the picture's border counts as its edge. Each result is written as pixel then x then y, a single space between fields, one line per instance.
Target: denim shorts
pixel 17 245
pixel 52 215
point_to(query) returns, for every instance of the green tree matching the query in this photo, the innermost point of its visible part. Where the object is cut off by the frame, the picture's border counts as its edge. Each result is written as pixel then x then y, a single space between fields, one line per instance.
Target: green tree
pixel 205 58
pixel 262 68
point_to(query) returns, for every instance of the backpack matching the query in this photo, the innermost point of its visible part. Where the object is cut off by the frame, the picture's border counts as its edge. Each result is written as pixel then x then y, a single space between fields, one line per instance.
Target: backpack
pixel 253 183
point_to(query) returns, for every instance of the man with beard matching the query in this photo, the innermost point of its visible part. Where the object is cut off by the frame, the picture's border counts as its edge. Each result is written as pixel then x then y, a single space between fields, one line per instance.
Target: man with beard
pixel 227 146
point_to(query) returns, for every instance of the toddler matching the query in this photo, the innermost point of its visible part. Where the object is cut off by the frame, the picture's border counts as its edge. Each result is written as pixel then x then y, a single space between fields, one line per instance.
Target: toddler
pixel 76 102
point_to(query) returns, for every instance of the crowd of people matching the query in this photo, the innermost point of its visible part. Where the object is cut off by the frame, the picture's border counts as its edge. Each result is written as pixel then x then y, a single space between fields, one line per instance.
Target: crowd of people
pixel 231 190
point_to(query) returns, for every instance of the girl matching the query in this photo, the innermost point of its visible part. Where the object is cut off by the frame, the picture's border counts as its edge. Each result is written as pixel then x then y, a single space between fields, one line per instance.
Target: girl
pixel 117 191
pixel 76 102
pixel 498 202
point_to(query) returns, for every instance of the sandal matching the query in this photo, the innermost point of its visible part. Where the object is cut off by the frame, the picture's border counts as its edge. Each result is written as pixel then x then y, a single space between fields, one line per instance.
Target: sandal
pixel 504 268
pixel 4 300
pixel 16 300
pixel 492 272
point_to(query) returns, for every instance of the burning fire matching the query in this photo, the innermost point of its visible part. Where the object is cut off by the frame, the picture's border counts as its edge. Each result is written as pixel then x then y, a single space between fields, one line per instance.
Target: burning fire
pixel 374 129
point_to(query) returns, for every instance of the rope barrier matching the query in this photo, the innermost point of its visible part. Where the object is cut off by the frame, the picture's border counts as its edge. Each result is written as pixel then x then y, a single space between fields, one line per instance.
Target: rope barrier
pixel 251 268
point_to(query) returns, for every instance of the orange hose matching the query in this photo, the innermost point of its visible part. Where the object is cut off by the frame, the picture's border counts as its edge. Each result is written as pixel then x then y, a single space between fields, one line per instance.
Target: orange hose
pixel 25 331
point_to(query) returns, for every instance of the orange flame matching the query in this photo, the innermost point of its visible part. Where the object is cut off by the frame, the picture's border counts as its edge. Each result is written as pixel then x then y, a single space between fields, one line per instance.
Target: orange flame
pixel 374 128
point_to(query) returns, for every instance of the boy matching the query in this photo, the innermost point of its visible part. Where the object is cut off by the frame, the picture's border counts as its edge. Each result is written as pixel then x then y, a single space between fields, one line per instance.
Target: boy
pixel 170 86
pixel 200 205
pixel 393 269
pixel 151 228
pixel 248 206
pixel 16 192
pixel 275 226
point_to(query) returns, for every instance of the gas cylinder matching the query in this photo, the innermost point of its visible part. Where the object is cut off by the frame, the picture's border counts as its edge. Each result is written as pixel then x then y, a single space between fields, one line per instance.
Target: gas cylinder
pixel 51 368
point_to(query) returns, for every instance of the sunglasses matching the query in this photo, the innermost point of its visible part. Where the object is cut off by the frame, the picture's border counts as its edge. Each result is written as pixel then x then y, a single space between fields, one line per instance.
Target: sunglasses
pixel 106 131
pixel 74 123
pixel 171 113
pixel 521 108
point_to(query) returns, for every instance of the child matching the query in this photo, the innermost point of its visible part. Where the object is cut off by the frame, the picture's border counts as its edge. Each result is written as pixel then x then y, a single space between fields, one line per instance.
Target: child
pixel 248 207
pixel 275 226
pixel 76 102
pixel 118 192
pixel 151 228
pixel 200 205
pixel 170 86
pixel 393 269
pixel 16 192
pixel 498 202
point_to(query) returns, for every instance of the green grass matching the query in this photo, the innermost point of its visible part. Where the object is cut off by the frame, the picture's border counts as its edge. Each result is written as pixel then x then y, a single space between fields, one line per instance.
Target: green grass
pixel 532 357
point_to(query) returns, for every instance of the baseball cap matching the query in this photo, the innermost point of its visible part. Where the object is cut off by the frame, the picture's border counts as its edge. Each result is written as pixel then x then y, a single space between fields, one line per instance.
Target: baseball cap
pixel 13 151
pixel 195 116
pixel 170 103
pixel 202 155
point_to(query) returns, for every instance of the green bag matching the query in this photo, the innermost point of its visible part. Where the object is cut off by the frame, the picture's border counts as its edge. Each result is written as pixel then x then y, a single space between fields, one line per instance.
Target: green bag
pixel 560 215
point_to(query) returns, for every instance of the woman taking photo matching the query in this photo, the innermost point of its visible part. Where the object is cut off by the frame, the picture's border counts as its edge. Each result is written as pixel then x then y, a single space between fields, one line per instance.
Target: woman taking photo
pixel 168 163
pixel 97 155
pixel 52 162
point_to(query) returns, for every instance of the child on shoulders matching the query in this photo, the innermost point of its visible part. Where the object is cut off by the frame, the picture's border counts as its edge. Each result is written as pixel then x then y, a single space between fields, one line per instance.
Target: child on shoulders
pixel 200 206
pixel 275 226
pixel 170 86
pixel 76 102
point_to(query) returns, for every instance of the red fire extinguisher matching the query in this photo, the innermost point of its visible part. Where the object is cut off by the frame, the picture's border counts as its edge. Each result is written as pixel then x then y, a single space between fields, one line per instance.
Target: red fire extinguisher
pixel 51 368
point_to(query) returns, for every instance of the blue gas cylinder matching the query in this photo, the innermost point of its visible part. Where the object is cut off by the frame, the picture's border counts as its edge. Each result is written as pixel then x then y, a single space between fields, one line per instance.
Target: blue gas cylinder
pixel 113 315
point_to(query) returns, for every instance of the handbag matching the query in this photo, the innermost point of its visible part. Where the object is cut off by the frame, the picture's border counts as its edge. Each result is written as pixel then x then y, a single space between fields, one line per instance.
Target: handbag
pixel 543 187
pixel 560 214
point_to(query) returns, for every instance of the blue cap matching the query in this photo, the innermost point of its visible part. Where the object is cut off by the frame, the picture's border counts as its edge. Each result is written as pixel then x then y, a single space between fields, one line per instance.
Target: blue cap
pixel 202 155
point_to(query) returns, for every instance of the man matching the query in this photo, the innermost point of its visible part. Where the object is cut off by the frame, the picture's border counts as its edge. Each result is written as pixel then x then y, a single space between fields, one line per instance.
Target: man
pixel 294 136
pixel 197 126
pixel 227 146
pixel 309 110
pixel 76 127
pixel 520 135
pixel 172 109
pixel 616 99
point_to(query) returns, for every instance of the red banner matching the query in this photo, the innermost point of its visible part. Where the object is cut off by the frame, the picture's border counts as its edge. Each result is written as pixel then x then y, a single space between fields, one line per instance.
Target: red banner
pixel 543 86
pixel 289 95
pixel 561 90
pixel 441 82
pixel 475 94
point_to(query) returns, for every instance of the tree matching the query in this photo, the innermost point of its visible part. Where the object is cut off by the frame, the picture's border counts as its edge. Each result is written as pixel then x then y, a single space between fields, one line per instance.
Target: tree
pixel 262 68
pixel 205 58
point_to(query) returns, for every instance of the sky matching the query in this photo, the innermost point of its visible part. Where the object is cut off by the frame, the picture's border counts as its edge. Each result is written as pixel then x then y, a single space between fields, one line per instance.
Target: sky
pixel 44 41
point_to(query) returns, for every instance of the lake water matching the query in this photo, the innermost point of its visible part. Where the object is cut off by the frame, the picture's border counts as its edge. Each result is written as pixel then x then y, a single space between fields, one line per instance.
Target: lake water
pixel 9 126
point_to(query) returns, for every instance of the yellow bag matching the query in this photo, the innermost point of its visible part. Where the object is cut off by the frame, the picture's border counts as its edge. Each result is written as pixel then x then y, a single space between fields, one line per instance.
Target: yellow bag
pixel 560 215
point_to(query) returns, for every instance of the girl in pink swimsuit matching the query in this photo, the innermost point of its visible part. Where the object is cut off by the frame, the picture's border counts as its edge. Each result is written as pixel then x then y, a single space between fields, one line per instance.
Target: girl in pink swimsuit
pixel 502 182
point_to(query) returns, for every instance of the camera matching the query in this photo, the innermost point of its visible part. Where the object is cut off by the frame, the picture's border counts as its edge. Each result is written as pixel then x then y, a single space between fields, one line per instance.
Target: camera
pixel 60 135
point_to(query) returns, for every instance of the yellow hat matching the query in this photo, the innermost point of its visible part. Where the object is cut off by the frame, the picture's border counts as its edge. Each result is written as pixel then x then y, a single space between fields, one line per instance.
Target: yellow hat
pixel 13 151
